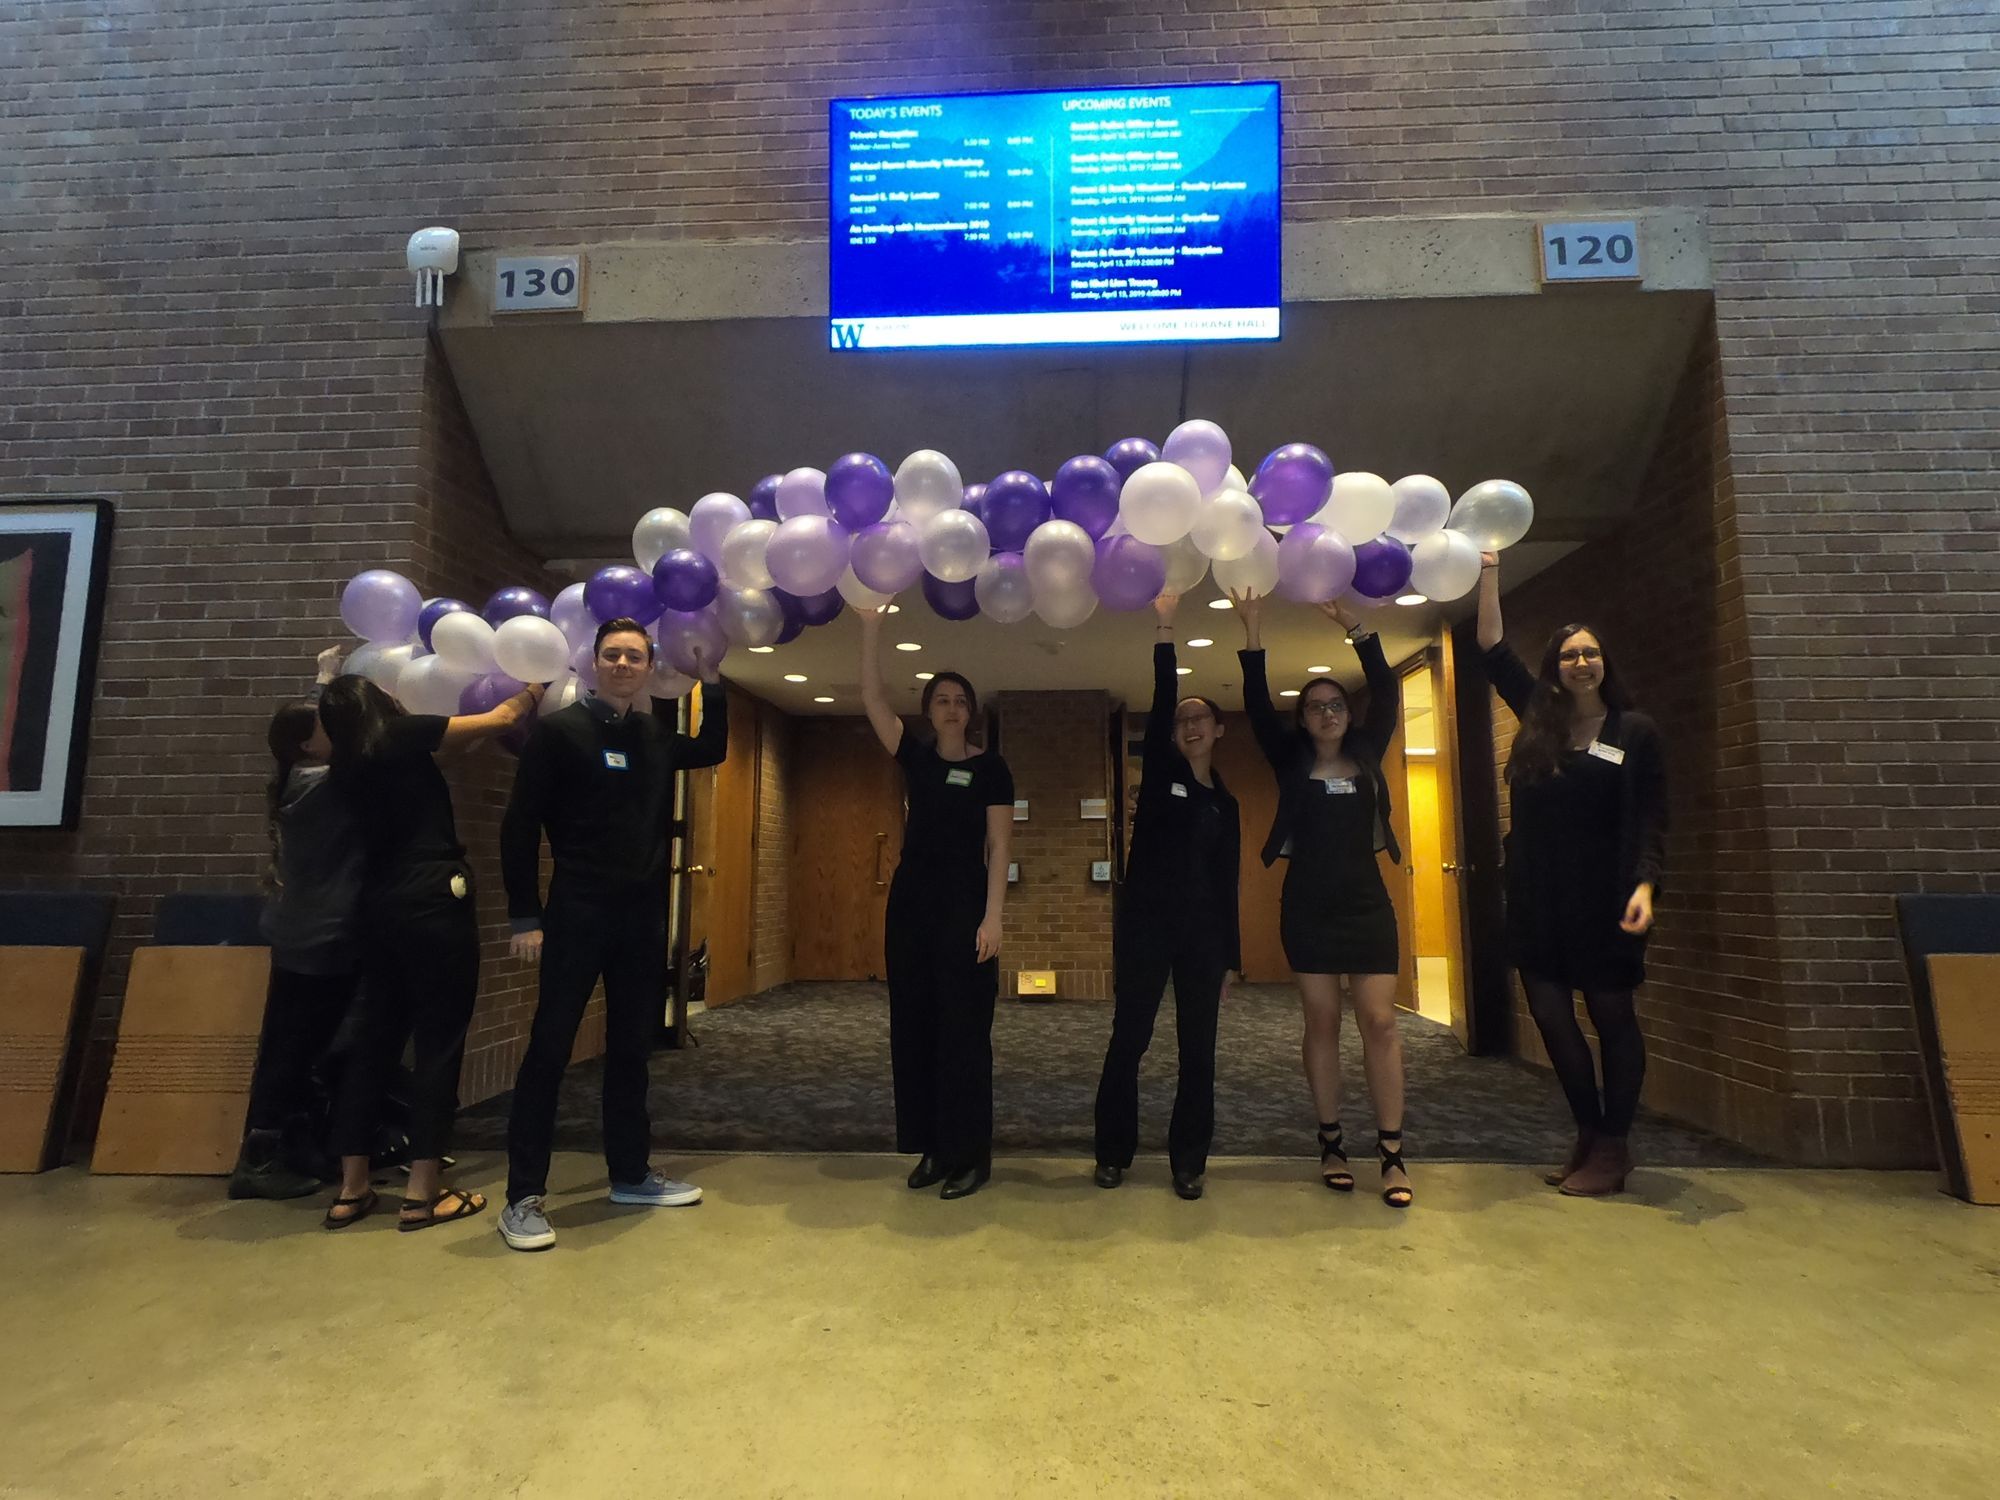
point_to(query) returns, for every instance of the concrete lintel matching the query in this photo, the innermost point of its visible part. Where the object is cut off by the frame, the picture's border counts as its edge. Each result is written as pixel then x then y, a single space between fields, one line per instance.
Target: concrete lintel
pixel 1326 260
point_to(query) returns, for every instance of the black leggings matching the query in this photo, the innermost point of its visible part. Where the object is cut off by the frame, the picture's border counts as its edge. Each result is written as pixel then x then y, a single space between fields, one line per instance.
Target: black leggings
pixel 302 1012
pixel 1618 1040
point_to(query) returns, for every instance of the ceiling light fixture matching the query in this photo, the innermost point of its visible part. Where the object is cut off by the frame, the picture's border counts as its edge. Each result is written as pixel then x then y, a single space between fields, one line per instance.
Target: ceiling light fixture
pixel 763 650
pixel 795 677
pixel 1198 642
pixel 1413 599
pixel 822 699
pixel 1185 671
pixel 1319 669
pixel 925 676
pixel 1289 693
pixel 909 646
pixel 1218 604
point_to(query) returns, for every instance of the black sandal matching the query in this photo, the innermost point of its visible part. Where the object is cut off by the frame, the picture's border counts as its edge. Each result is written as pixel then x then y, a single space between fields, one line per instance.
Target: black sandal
pixel 1392 1161
pixel 362 1206
pixel 1338 1178
pixel 468 1205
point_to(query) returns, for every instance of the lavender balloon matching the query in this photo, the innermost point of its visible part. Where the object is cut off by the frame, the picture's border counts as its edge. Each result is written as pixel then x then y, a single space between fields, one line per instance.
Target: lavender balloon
pixel 487 693
pixel 952 601
pixel 823 608
pixel 1128 455
pixel 583 662
pixel 433 611
pixel 1314 563
pixel 795 622
pixel 859 488
pixel 807 554
pixel 885 556
pixel 764 498
pixel 1129 574
pixel 572 617
pixel 685 580
pixel 692 640
pixel 622 592
pixel 1381 568
pixel 1086 492
pixel 1202 448
pixel 1002 588
pixel 1292 483
pixel 509 602
pixel 379 605
pixel 711 519
pixel 802 492
pixel 975 501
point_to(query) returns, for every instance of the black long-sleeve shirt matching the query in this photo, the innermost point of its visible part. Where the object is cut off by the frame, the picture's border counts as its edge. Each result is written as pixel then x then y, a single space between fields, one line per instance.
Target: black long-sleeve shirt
pixel 602 784
pixel 1185 839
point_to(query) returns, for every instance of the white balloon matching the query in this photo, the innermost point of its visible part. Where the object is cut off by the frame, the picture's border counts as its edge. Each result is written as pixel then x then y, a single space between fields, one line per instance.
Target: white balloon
pixel 1065 609
pixel 802 492
pixel 953 545
pixel 1004 593
pixel 1227 526
pixel 710 520
pixel 665 682
pixel 659 531
pixel 1234 480
pixel 564 691
pixel 1186 566
pixel 465 642
pixel 927 482
pixel 530 649
pixel 381 663
pixel 858 594
pixel 1159 503
pixel 1059 556
pixel 742 561
pixel 807 554
pixel 1495 513
pixel 1256 572
pixel 1360 507
pixel 1443 565
pixel 1422 503
pixel 431 685
pixel 750 617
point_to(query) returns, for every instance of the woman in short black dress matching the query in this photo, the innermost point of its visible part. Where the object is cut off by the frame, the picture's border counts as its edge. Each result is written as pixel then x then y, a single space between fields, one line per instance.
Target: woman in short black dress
pixel 1584 851
pixel 1336 919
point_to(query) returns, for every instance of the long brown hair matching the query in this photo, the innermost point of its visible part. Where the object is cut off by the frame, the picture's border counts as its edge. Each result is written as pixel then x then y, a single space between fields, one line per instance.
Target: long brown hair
pixel 355 713
pixel 291 727
pixel 1544 733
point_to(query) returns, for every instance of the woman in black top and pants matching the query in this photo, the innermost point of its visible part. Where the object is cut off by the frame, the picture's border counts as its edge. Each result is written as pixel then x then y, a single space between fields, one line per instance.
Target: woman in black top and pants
pixel 1336 919
pixel 1584 852
pixel 416 931
pixel 942 934
pixel 1177 916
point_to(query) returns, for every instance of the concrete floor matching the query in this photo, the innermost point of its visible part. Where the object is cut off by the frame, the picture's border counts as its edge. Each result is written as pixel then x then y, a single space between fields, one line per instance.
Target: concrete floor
pixel 815 1329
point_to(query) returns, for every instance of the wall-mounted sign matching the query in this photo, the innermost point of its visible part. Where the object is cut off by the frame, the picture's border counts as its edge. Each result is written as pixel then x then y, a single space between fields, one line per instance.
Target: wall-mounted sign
pixel 538 283
pixel 1599 250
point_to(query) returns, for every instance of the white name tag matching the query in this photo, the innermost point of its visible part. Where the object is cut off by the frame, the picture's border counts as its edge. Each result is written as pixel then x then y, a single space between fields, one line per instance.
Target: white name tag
pixel 1607 752
pixel 958 778
pixel 1338 785
pixel 614 760
pixel 1177 789
pixel 459 886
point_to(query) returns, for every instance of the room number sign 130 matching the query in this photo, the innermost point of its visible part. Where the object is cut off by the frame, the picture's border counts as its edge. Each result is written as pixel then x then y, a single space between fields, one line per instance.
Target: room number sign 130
pixel 1601 251
pixel 538 283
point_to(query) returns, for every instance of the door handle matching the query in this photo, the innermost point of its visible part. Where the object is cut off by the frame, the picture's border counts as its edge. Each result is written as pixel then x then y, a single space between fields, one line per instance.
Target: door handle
pixel 881 843
pixel 695 870
pixel 1451 869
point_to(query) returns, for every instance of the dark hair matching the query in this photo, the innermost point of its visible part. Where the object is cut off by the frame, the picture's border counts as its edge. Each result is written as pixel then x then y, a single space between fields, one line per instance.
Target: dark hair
pixel 1544 732
pixel 291 726
pixel 623 625
pixel 1299 708
pixel 931 687
pixel 354 711
pixel 1209 703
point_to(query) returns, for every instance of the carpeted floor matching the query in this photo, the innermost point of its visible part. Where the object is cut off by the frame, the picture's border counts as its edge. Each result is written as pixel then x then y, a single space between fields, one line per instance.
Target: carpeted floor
pixel 805 1067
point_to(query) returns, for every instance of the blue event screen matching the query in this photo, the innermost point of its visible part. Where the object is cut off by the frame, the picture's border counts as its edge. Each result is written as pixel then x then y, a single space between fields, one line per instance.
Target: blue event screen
pixel 1100 216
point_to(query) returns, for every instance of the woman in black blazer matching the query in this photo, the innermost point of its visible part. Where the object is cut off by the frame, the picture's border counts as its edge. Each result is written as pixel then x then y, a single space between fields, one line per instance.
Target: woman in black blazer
pixel 1335 918
pixel 1587 839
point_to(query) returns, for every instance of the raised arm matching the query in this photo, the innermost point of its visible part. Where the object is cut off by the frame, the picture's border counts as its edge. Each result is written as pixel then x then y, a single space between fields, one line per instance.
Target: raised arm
pixel 1166 681
pixel 709 745
pixel 1385 688
pixel 1273 738
pixel 461 730
pixel 887 724
pixel 1491 631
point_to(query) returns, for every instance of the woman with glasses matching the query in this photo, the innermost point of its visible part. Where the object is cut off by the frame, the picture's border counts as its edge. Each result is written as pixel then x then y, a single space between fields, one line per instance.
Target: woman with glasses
pixel 1584 851
pixel 1334 914
pixel 1177 917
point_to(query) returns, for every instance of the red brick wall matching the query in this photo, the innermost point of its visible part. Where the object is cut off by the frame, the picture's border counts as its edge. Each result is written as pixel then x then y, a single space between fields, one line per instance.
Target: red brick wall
pixel 771 885
pixel 1058 746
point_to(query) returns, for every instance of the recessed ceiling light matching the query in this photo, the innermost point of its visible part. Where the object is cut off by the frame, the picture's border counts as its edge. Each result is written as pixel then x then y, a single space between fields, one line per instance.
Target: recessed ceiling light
pixel 822 699
pixel 892 609
pixel 1289 693
pixel 1184 671
pixel 1319 669
pixel 1198 642
pixel 795 677
pixel 925 676
pixel 763 650
pixel 909 646
pixel 1413 599
pixel 1218 604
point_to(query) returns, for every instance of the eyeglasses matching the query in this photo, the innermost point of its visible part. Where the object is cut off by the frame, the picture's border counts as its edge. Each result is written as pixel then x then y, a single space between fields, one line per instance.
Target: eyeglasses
pixel 1188 721
pixel 1576 655
pixel 1325 708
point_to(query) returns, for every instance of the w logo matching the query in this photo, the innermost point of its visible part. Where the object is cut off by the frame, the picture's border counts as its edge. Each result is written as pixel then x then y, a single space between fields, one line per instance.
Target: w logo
pixel 847 335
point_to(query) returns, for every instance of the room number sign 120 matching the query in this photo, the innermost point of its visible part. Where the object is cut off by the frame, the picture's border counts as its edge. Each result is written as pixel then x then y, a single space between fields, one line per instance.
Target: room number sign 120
pixel 538 283
pixel 1601 251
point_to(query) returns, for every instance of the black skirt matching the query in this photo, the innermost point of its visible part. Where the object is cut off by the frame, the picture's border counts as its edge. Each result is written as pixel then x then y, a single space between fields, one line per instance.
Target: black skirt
pixel 1335 916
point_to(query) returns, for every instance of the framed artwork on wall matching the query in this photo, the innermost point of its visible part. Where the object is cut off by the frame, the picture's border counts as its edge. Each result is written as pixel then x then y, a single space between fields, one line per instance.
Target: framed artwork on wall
pixel 54 558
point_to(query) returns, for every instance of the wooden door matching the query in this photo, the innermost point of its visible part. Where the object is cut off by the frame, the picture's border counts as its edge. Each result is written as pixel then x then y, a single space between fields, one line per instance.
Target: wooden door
pixel 1451 843
pixel 721 822
pixel 1250 781
pixel 847 822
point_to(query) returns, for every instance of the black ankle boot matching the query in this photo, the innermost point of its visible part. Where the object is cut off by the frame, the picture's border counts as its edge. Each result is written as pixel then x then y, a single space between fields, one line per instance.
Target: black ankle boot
pixel 965 1184
pixel 926 1173
pixel 261 1171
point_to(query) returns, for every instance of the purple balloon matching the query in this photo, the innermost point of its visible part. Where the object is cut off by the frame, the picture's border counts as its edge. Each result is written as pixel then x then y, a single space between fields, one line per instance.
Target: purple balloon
pixel 484 694
pixel 1314 564
pixel 569 614
pixel 1128 574
pixel 1086 492
pixel 622 592
pixel 583 662
pixel 1381 568
pixel 1016 503
pixel 685 580
pixel 691 638
pixel 433 611
pixel 952 601
pixel 763 498
pixel 975 501
pixel 859 488
pixel 1292 483
pixel 885 556
pixel 821 609
pixel 795 620
pixel 1128 455
pixel 509 603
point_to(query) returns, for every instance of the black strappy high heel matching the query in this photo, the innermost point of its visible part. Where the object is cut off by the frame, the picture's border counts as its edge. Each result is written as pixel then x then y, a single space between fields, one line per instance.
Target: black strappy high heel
pixel 1392 1160
pixel 1338 1178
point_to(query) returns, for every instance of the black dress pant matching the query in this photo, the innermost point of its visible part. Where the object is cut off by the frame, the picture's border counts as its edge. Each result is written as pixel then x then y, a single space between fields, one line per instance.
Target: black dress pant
pixel 622 938
pixel 940 1026
pixel 1145 953
pixel 420 979
pixel 302 1013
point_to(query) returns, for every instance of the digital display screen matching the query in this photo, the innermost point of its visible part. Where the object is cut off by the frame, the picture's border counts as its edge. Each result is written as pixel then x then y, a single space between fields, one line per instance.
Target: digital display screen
pixel 1095 216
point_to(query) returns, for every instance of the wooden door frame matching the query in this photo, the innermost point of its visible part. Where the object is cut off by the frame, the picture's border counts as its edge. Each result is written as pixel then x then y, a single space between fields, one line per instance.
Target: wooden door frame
pixel 1489 985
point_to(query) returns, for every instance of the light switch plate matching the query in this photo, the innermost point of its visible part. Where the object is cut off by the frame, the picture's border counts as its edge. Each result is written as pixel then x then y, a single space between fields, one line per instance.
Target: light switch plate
pixel 1100 870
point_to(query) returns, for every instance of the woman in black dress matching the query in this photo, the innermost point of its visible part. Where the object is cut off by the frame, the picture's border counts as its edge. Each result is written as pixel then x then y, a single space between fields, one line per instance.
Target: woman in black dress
pixel 1335 917
pixel 416 932
pixel 942 934
pixel 1584 851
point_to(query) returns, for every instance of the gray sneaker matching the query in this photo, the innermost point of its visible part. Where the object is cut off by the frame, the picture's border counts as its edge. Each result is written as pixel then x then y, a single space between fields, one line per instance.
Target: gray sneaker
pixel 657 1190
pixel 525 1226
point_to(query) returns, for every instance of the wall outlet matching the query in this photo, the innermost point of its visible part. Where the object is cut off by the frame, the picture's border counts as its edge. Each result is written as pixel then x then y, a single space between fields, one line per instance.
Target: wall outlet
pixel 1100 870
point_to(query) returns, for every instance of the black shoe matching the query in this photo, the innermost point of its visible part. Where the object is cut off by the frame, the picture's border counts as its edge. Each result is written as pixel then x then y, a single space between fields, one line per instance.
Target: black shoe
pixel 1107 1176
pixel 965 1184
pixel 261 1171
pixel 1188 1184
pixel 926 1173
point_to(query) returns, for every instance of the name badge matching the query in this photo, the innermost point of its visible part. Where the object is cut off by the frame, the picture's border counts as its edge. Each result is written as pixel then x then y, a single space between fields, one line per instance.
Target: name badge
pixel 1177 789
pixel 459 886
pixel 1338 786
pixel 958 778
pixel 614 760
pixel 1607 752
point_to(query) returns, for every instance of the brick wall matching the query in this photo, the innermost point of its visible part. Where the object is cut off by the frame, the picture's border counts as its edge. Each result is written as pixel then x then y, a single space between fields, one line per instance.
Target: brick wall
pixel 1058 747
pixel 771 886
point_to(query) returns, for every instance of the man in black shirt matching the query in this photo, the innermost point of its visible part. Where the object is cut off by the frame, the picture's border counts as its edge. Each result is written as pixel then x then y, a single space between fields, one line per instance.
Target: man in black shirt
pixel 599 776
